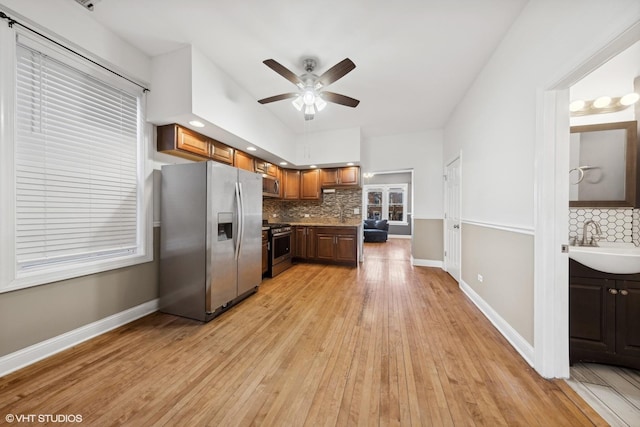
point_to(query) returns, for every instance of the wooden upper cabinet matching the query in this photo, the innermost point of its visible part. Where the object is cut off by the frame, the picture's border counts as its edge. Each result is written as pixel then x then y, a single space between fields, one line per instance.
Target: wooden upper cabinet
pixel 182 142
pixel 221 153
pixel 310 184
pixel 243 161
pixel 267 168
pixel 290 184
pixel 341 177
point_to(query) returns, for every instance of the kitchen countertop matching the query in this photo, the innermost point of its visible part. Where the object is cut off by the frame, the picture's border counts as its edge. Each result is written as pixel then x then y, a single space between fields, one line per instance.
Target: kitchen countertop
pixel 324 223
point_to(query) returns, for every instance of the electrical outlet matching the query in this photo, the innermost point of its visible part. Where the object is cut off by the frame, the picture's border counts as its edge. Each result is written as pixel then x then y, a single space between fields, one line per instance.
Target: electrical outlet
pixel 480 278
pixel 356 211
pixel 306 215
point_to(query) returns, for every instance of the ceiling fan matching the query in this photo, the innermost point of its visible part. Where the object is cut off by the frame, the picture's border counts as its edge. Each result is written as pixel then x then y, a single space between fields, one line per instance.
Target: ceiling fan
pixel 310 95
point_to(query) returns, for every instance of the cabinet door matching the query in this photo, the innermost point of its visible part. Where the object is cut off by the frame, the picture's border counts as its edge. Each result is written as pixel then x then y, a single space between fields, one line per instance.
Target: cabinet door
pixel 272 170
pixel 628 318
pixel 310 185
pixel 260 166
pixel 243 161
pixel 329 177
pixel 591 316
pixel 193 142
pixel 346 248
pixel 325 246
pixel 300 242
pixel 291 184
pixel 221 153
pixel 349 176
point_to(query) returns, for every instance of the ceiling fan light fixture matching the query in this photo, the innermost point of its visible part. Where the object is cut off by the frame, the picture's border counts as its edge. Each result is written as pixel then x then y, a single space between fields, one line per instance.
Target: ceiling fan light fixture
pixel 309 97
pixel 298 103
pixel 308 109
pixel 320 103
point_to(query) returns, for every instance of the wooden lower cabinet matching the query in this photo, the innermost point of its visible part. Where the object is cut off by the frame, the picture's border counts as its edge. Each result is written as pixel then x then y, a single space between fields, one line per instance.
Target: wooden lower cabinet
pixel 604 317
pixel 326 244
pixel 265 251
pixel 304 247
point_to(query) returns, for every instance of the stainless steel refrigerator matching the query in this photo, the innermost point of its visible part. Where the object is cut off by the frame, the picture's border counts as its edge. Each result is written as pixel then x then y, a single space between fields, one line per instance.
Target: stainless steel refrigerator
pixel 210 238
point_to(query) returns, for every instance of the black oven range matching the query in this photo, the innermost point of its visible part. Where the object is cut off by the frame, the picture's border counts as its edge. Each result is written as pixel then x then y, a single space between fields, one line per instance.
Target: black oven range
pixel 279 248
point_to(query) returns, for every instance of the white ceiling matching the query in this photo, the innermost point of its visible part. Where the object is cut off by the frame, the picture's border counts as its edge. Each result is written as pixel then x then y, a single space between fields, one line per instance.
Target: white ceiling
pixel 414 59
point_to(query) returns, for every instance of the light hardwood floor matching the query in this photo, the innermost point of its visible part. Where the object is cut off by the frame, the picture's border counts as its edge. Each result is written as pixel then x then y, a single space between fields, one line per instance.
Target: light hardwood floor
pixel 382 344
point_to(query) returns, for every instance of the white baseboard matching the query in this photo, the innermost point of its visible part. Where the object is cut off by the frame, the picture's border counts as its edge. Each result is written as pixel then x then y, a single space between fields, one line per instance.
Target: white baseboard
pixel 426 263
pixel 399 236
pixel 521 345
pixel 29 355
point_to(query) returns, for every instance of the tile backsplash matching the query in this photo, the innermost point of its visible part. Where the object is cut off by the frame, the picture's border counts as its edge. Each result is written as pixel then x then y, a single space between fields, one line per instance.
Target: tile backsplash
pixel 329 207
pixel 617 224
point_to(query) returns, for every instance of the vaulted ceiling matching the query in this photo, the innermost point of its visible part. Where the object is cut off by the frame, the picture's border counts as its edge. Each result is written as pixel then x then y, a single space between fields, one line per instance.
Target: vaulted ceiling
pixel 415 59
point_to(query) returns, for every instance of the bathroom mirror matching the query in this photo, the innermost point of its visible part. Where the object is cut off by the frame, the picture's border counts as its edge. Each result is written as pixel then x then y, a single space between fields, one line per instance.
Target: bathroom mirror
pixel 603 163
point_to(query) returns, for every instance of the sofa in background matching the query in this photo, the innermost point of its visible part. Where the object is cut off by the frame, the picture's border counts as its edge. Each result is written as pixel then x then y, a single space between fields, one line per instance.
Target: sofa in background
pixel 376 230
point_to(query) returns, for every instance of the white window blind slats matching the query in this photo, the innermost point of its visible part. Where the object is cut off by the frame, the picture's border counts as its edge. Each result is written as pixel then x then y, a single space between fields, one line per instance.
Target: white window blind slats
pixel 76 164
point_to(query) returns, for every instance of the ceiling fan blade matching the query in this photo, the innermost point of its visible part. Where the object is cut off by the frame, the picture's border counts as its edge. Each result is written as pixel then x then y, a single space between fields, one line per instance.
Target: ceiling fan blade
pixel 283 71
pixel 278 98
pixel 336 72
pixel 336 98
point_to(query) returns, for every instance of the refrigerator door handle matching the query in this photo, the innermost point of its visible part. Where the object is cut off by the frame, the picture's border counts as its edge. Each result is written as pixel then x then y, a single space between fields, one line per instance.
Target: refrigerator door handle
pixel 239 216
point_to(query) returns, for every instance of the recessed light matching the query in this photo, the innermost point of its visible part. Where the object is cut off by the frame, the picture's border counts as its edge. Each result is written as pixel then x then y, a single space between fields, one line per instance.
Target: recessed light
pixel 252 149
pixel 350 164
pixel 196 123
pixel 283 163
pixel 313 166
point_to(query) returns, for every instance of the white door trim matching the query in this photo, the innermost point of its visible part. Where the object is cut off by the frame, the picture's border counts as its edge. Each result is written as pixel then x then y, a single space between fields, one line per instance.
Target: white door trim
pixel 551 282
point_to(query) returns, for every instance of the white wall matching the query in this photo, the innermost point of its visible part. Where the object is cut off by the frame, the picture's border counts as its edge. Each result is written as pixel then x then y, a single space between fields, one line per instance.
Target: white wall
pixel 422 152
pixel 73 22
pixel 495 124
pixel 334 147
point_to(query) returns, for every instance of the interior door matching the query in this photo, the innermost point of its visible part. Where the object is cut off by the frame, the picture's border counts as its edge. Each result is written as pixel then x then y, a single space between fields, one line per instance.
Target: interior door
pixel 452 219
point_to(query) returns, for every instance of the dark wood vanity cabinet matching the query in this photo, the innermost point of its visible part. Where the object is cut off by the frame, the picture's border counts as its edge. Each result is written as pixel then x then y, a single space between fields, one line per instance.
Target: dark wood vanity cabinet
pixel 604 317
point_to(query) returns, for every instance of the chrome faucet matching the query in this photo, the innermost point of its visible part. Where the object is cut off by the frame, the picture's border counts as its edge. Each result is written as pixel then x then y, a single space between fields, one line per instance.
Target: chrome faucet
pixel 585 232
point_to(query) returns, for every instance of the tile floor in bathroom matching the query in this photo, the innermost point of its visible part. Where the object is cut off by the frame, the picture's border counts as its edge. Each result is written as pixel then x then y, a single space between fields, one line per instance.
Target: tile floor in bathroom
pixel 612 391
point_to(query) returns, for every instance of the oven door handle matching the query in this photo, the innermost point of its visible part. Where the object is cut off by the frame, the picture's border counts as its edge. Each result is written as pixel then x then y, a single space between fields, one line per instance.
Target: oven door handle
pixel 286 233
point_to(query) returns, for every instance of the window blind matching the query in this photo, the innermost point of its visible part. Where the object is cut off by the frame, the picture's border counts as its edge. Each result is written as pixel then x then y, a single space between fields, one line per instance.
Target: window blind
pixel 76 161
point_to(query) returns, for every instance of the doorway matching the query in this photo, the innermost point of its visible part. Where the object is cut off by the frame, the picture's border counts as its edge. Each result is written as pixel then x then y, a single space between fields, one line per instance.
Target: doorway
pixel 552 201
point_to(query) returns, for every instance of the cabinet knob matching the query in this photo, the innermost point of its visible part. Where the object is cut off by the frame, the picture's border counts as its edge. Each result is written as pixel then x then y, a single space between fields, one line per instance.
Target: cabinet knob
pixel 624 292
pixel 613 291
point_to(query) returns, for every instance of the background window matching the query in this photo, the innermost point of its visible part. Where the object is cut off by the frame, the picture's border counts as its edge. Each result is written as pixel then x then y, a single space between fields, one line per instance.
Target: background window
pixel 387 201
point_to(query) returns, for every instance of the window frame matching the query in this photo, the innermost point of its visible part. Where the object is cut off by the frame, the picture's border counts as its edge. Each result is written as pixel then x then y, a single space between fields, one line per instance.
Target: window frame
pixel 385 188
pixel 11 278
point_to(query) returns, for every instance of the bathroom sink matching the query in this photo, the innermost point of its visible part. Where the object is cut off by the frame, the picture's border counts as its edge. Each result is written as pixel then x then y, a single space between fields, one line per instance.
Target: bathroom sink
pixel 618 258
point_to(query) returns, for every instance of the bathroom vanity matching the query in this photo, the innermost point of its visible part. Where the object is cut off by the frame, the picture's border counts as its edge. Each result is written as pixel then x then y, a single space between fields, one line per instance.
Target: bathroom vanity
pixel 604 316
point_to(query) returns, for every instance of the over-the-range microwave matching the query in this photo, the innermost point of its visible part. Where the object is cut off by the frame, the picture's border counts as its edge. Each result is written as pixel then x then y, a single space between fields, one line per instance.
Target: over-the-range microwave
pixel 270 186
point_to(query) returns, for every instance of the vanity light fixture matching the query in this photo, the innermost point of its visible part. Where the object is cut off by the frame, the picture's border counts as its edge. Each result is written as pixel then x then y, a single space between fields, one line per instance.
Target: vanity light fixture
pixel 196 123
pixel 603 104
pixel 368 175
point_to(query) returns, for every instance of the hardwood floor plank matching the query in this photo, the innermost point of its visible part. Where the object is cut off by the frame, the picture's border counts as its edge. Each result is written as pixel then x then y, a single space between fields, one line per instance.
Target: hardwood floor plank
pixel 385 343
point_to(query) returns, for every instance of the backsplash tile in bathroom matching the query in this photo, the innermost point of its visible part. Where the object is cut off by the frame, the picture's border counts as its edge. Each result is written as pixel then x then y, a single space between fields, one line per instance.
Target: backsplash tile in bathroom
pixel 636 227
pixel 617 224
